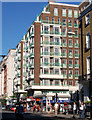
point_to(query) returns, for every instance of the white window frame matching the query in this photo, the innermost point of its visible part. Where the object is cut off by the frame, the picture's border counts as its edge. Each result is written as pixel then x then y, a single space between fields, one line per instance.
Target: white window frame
pixel 69 12
pixel 58 59
pixel 58 70
pixel 65 64
pixel 71 77
pixel 70 81
pixel 55 11
pixel 87 40
pixel 47 82
pixel 88 64
pixel 75 13
pixel 56 81
pixel 48 70
pixel 64 12
pixel 87 19
pixel 46 26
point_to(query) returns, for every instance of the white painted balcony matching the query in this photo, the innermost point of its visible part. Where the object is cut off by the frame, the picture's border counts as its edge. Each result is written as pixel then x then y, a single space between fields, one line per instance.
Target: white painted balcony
pixel 51 76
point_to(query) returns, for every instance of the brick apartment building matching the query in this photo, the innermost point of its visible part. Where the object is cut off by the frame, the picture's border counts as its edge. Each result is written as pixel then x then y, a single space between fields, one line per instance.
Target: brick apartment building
pixel 49 58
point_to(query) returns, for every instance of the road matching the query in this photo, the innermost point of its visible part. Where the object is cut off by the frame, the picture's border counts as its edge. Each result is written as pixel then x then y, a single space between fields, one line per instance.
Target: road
pixel 9 115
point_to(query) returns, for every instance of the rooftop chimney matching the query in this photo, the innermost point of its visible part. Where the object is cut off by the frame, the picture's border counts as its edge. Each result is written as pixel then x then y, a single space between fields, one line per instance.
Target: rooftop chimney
pixel 51 1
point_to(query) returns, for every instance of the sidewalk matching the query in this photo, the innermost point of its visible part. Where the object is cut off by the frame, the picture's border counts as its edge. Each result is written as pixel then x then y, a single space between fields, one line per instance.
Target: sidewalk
pixel 67 116
pixel 61 115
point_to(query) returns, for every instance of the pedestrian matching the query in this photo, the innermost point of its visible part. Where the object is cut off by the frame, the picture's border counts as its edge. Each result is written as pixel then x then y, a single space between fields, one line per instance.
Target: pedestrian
pixel 56 108
pixel 34 108
pixel 82 111
pixel 48 107
pixel 19 112
pixel 65 107
pixel 74 109
pixel 85 109
pixel 41 106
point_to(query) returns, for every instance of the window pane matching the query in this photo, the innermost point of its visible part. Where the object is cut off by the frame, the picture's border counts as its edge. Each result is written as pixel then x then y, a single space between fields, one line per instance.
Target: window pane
pixel 70 13
pixel 87 19
pixel 75 13
pixel 88 40
pixel 45 70
pixel 63 12
pixel 56 11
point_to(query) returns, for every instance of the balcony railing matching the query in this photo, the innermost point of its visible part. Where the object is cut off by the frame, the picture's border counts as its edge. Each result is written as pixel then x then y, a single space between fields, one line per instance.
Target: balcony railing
pixel 50 22
pixel 53 73
pixel 51 53
pixel 51 32
pixel 50 43
pixel 48 84
pixel 45 64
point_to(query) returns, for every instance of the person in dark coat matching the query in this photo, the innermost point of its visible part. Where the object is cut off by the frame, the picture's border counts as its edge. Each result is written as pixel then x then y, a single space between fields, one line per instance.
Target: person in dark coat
pixel 19 112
